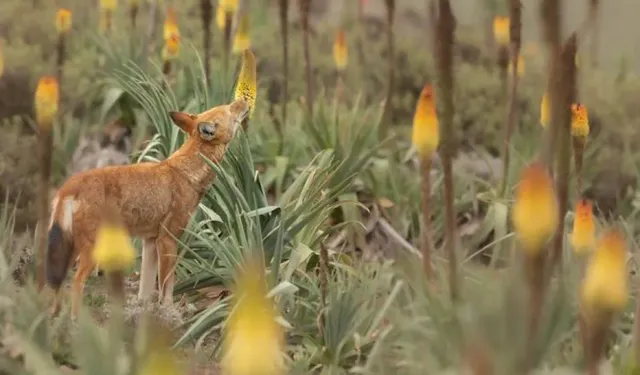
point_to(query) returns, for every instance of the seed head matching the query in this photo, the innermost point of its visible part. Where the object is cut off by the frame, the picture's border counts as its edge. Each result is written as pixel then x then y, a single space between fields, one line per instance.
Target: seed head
pixel 340 51
pixel 604 287
pixel 46 101
pixel 247 85
pixel 426 127
pixel 535 211
pixel 63 20
pixel 583 237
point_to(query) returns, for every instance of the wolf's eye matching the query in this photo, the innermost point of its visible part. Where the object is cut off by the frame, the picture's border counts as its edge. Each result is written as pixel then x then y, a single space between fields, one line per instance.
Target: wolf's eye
pixel 207 130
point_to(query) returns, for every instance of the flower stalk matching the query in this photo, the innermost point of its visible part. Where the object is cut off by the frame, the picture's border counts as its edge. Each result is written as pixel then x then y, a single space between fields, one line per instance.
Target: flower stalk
pixel 304 9
pixel 63 27
pixel 391 66
pixel 47 99
pixel 561 117
pixel 340 59
pixel 284 35
pixel 579 134
pixel 514 22
pixel 425 139
pixel 134 9
pixel 445 29
pixel 206 12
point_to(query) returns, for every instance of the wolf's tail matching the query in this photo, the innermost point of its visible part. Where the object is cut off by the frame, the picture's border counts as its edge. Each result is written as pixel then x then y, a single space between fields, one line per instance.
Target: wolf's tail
pixel 60 248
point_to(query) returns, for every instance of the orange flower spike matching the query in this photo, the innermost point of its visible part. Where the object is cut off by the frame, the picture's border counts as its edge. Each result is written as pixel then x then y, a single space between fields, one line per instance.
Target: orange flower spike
pixel 426 127
pixel 579 120
pixel 170 26
pixel 535 211
pixel 171 47
pixel 501 30
pixel 544 110
pixel 340 51
pixel 604 286
pixel 63 20
pixel 46 101
pixel 583 237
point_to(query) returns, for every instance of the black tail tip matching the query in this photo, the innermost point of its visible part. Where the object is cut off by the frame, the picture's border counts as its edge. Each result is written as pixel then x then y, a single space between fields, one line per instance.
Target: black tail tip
pixel 58 256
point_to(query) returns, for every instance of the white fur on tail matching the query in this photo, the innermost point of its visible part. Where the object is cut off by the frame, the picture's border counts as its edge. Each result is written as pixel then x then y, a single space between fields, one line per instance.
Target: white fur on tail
pixel 69 206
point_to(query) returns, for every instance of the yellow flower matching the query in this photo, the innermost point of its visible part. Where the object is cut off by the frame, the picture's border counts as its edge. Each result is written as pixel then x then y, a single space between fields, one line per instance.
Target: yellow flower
pixel 171 47
pixel 220 17
pixel 170 26
pixel 159 358
pixel 544 110
pixel 520 66
pixel 426 128
pixel 242 39
pixel 535 211
pixel 228 5
pixel 501 30
pixel 252 324
pixel 246 88
pixel 605 283
pixel 583 237
pixel 46 101
pixel 63 20
pixel 340 51
pixel 579 120
pixel 109 4
pixel 113 250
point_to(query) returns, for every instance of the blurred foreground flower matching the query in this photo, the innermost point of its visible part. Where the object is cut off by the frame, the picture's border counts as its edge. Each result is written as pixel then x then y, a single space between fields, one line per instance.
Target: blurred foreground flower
pixel 535 211
pixel 426 128
pixel 113 250
pixel 220 18
pixel 46 101
pixel 159 358
pixel 63 20
pixel 583 237
pixel 340 51
pixel 246 87
pixel 228 5
pixel 109 4
pixel 501 30
pixel 544 110
pixel 604 287
pixel 171 47
pixel 242 39
pixel 253 339
pixel 170 26
pixel 579 120
pixel 521 66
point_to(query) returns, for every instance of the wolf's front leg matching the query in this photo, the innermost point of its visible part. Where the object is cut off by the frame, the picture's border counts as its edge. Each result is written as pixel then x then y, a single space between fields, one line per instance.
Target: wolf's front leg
pixel 148 269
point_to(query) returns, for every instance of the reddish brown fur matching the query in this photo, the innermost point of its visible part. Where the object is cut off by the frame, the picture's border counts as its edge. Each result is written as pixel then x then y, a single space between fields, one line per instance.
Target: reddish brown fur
pixel 149 197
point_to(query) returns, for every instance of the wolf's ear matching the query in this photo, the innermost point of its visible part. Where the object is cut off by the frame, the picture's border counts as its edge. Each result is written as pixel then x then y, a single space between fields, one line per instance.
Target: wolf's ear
pixel 240 109
pixel 184 121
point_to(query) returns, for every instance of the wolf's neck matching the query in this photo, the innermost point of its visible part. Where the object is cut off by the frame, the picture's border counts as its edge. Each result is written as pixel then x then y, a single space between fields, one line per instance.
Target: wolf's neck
pixel 188 161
